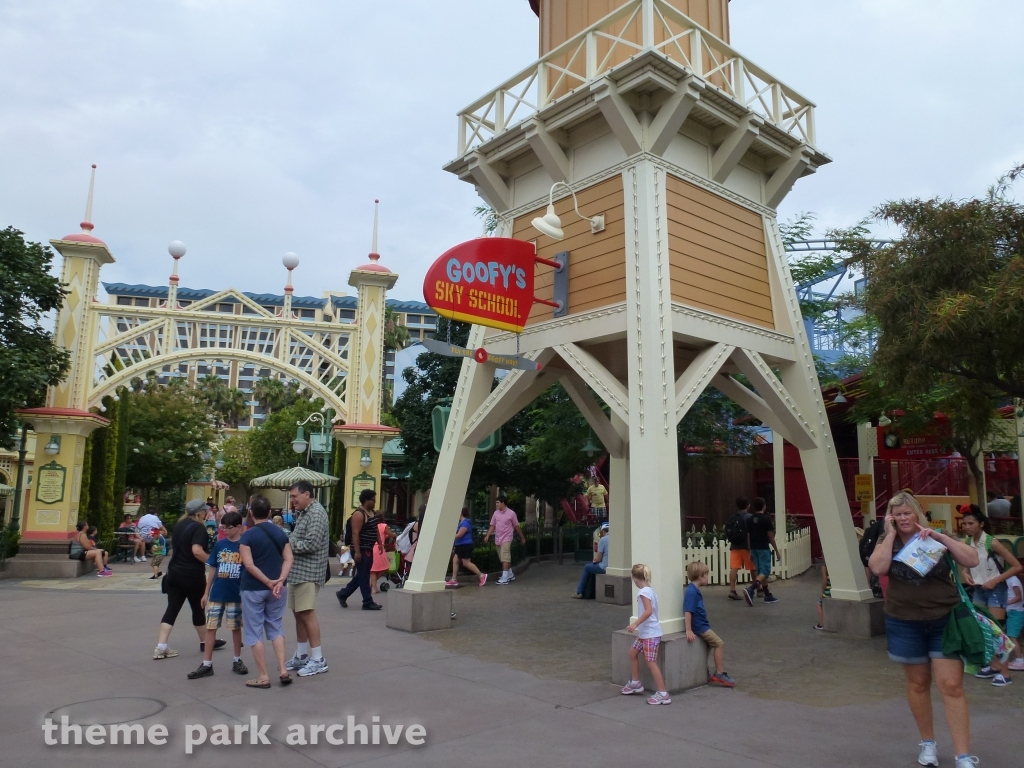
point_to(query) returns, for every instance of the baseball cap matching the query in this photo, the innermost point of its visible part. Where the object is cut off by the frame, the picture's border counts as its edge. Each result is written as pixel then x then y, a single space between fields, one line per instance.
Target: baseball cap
pixel 604 526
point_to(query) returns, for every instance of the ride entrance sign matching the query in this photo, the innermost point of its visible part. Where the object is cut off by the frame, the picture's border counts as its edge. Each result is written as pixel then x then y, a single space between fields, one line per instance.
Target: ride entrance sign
pixel 487 281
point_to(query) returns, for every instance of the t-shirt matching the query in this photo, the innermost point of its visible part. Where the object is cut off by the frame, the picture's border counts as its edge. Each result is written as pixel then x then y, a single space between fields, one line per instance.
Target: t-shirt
pixel 1012 582
pixel 184 566
pixel 602 548
pixel 228 562
pixel 999 508
pixel 464 533
pixel 913 597
pixel 759 526
pixel 149 523
pixel 693 603
pixel 504 522
pixel 266 543
pixel 595 494
pixel 159 546
pixel 651 627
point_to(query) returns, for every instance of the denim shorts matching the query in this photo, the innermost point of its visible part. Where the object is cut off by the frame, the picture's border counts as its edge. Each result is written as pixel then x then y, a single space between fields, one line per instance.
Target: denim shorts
pixel 262 613
pixel 991 598
pixel 762 561
pixel 915 642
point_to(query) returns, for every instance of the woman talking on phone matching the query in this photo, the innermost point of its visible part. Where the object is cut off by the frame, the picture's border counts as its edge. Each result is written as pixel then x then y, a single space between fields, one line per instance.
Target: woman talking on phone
pixel 917 609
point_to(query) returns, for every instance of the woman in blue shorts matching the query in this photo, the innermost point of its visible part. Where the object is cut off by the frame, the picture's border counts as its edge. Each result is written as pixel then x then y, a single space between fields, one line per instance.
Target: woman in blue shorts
pixel 917 609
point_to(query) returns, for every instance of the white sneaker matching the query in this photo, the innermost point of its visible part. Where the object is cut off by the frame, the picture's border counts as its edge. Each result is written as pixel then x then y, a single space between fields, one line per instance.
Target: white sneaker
pixel 314 667
pixel 633 686
pixel 297 662
pixel 1017 665
pixel 137 560
pixel 143 558
pixel 966 761
pixel 661 697
pixel 502 581
pixel 511 576
pixel 929 753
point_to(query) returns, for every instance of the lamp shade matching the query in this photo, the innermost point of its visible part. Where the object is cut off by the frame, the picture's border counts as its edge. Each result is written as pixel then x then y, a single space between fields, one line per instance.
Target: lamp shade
pixel 549 224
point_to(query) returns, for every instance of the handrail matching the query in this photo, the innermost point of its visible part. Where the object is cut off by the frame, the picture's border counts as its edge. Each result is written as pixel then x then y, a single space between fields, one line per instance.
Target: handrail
pixel 579 61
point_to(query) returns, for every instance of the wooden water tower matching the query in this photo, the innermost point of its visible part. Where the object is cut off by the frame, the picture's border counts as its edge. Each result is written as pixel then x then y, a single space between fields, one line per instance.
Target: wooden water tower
pixel 686 148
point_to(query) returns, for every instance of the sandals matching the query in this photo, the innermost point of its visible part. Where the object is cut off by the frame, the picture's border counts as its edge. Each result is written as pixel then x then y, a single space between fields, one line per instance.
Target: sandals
pixel 257 684
pixel 285 679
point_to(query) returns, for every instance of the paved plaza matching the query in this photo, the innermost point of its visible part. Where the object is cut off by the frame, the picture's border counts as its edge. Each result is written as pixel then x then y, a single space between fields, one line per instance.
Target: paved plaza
pixel 521 679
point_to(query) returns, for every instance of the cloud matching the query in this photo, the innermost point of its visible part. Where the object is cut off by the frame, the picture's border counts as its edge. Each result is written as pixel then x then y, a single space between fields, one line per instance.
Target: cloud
pixel 250 128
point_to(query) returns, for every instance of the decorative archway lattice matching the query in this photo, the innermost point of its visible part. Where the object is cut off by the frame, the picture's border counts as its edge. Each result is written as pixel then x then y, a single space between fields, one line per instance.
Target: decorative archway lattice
pixel 240 347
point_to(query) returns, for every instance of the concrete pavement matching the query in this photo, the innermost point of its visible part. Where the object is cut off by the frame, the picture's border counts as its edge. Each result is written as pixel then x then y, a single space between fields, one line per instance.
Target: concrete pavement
pixel 520 680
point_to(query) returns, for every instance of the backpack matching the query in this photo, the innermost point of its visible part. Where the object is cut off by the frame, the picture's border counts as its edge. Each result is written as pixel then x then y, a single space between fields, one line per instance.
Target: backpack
pixel 347 538
pixel 736 530
pixel 869 539
pixel 404 542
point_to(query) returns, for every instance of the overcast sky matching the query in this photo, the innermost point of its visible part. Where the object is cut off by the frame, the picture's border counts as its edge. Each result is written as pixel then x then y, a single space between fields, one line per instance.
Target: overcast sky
pixel 248 128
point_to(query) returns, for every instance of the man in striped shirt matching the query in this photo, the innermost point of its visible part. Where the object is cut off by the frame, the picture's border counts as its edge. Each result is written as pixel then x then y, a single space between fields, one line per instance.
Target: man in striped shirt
pixel 363 522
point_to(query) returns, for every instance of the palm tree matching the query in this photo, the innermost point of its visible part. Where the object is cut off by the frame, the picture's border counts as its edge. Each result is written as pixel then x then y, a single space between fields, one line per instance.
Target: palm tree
pixel 226 404
pixel 274 394
pixel 396 335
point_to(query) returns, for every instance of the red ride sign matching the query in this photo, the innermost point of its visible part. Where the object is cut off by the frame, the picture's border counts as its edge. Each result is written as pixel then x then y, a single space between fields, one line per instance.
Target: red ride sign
pixel 487 281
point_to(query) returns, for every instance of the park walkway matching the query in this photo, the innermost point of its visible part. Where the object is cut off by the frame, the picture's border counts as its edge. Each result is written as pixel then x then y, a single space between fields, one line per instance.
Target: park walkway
pixel 520 680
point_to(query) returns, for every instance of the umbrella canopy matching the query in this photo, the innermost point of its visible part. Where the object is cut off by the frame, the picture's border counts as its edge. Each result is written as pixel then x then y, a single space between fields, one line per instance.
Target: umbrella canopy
pixel 5 490
pixel 287 478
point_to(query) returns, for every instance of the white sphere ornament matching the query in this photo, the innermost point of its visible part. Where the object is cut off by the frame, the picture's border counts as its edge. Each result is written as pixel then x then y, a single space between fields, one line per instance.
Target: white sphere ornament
pixel 290 260
pixel 176 249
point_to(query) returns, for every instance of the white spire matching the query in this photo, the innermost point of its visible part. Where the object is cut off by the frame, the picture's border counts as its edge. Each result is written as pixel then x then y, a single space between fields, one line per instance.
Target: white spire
pixel 376 208
pixel 87 222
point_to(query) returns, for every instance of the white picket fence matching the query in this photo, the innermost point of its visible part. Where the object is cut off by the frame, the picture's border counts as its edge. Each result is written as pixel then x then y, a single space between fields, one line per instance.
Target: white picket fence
pixel 795 550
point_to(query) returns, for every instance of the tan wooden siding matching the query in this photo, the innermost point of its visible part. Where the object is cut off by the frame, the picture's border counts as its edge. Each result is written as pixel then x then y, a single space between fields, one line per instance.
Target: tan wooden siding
pixel 562 19
pixel 597 263
pixel 717 254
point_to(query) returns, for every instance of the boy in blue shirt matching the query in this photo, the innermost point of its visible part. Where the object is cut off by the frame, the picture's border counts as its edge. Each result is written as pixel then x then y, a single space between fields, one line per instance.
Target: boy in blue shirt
pixel 223 599
pixel 697 621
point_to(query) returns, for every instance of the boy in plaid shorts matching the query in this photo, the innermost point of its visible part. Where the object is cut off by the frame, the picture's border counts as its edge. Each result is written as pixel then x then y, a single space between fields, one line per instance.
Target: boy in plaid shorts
pixel 648 631
pixel 696 619
pixel 223 598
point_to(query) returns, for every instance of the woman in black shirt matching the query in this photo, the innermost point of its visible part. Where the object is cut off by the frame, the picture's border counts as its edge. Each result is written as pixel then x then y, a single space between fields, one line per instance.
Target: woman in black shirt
pixel 186 576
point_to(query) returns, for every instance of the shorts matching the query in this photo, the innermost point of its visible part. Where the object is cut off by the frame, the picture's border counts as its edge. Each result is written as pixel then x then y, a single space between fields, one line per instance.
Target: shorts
pixel 713 640
pixel 649 647
pixel 1014 624
pixel 739 559
pixel 464 551
pixel 991 598
pixel 762 561
pixel 302 596
pixel 915 642
pixel 505 552
pixel 262 613
pixel 156 560
pixel 599 512
pixel 227 615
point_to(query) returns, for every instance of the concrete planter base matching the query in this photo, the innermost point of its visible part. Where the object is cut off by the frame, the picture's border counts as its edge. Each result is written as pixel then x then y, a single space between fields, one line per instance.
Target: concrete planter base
pixel 614 590
pixel 684 665
pixel 419 611
pixel 854 619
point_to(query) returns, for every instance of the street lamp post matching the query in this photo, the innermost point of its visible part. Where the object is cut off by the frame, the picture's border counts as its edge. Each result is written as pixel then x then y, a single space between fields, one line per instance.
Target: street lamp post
pixel 22 446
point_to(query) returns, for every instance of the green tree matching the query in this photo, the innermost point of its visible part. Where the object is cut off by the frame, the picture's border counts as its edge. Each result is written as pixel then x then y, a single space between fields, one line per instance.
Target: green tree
pixel 270 444
pixel 396 335
pixel 29 359
pixel 714 427
pixel 237 461
pixel 169 432
pixel 226 404
pixel 948 293
pixel 123 438
pixel 274 394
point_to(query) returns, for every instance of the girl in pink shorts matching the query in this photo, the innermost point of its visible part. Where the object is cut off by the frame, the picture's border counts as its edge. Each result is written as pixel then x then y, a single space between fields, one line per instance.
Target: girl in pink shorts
pixel 648 638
